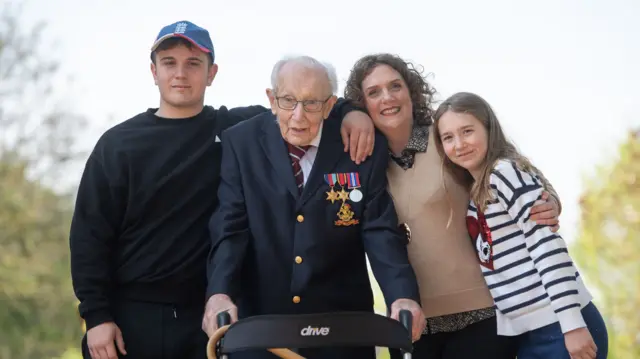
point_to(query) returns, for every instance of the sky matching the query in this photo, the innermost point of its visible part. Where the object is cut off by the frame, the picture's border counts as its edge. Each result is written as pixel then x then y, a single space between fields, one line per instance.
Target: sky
pixel 562 75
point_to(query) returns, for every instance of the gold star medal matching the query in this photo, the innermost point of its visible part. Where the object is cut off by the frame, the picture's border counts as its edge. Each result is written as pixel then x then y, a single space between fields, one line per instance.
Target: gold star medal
pixel 343 195
pixel 330 179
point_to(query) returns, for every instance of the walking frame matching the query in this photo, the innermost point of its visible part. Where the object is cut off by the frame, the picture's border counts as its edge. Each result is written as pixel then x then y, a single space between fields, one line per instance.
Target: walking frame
pixel 278 333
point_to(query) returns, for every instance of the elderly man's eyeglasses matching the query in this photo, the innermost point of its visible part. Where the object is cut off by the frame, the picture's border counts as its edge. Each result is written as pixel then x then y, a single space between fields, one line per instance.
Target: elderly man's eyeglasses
pixel 290 103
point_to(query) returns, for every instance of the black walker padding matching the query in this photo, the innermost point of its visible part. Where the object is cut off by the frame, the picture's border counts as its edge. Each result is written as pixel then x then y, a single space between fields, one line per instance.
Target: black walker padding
pixel 344 329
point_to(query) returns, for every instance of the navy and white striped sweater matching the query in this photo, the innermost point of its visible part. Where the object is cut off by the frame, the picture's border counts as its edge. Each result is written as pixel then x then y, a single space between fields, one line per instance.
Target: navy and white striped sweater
pixel 527 267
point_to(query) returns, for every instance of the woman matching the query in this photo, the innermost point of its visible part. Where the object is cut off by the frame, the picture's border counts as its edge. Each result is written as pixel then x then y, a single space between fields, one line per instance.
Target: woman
pixel 519 259
pixel 456 301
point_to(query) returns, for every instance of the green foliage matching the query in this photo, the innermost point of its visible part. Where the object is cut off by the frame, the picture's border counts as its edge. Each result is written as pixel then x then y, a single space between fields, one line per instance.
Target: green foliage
pixel 608 248
pixel 37 313
pixel 38 318
pixel 35 121
pixel 380 307
pixel 71 354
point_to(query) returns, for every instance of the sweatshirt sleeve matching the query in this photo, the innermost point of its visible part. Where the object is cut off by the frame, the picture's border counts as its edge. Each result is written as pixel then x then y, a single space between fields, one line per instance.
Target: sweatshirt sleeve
pixel 343 107
pixel 517 192
pixel 240 114
pixel 97 217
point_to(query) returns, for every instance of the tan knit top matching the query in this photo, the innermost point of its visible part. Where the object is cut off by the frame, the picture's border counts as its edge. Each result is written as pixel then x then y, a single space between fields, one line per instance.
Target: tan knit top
pixel 443 258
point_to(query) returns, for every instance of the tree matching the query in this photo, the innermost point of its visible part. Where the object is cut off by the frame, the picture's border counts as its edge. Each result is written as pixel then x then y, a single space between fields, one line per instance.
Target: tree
pixel 38 317
pixel 35 122
pixel 608 246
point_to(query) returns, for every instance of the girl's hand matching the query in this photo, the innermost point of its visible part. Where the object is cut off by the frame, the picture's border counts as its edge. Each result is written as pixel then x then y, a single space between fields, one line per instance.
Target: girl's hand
pixel 580 344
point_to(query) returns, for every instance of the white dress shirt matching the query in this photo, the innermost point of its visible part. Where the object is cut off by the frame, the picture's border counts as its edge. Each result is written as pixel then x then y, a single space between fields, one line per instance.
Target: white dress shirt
pixel 306 162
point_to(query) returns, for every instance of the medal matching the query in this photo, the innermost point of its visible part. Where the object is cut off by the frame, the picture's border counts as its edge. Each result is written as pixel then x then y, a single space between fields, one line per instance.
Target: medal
pixel 355 195
pixel 342 194
pixel 345 215
pixel 354 183
pixel 332 195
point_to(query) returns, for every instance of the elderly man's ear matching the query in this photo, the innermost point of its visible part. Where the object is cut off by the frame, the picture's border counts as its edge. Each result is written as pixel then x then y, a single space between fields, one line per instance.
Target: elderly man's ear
pixel 329 106
pixel 272 100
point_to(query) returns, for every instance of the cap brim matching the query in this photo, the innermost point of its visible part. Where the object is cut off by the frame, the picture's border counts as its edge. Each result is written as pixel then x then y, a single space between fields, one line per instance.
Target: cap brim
pixel 168 36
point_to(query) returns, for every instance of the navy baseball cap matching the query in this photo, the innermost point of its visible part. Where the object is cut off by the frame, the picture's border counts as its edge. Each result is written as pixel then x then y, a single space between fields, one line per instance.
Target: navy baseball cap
pixel 188 31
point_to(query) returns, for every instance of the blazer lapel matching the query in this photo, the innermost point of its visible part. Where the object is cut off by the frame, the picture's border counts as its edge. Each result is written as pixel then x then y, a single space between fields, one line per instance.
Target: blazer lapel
pixel 330 150
pixel 276 150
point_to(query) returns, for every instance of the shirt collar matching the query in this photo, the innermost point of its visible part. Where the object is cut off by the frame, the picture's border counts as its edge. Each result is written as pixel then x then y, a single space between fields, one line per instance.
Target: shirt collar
pixel 417 143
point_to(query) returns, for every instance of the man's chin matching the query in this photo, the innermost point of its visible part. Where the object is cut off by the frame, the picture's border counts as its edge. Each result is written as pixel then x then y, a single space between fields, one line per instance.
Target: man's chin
pixel 181 101
pixel 298 140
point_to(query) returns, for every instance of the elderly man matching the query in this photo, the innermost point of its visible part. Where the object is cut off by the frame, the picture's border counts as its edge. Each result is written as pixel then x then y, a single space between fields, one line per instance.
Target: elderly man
pixel 297 215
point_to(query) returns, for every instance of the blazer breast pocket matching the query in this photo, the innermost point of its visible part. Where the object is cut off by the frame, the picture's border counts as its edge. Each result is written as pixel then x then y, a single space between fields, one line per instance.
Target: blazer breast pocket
pixel 342 212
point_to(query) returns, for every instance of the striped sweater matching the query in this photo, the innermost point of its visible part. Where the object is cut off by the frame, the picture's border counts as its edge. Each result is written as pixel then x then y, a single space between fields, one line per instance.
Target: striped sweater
pixel 527 267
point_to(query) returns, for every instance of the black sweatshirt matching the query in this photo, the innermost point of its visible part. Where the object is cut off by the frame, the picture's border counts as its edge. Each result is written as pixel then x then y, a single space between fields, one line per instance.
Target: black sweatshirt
pixel 149 188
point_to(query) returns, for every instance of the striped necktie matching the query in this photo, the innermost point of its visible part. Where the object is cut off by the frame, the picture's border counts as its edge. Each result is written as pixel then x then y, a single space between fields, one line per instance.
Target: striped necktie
pixel 296 153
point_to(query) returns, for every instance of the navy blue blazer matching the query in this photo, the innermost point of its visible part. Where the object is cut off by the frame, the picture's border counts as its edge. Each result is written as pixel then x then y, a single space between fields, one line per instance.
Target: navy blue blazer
pixel 277 252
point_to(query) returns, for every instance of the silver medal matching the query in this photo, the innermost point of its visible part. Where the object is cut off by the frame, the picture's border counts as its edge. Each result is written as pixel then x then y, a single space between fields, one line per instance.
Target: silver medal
pixel 355 195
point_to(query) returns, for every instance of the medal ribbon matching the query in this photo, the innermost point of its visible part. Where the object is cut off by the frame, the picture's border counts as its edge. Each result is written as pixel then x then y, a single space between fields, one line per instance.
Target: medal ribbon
pixel 330 179
pixel 342 179
pixel 354 179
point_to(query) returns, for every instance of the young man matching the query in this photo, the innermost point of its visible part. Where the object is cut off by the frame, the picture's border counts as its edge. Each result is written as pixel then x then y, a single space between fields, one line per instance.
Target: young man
pixel 139 238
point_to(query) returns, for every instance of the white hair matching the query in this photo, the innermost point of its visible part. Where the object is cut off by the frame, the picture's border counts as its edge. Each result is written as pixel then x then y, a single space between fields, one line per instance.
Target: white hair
pixel 308 62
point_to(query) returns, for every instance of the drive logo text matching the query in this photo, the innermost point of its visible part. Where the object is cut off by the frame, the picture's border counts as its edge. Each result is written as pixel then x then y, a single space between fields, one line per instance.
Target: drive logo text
pixel 314 331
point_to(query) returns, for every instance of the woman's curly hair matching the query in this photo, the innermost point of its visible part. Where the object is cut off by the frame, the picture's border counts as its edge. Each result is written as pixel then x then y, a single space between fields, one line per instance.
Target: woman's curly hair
pixel 421 92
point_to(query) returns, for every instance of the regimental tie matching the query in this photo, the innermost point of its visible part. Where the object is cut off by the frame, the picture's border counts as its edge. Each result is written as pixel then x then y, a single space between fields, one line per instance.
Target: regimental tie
pixel 296 153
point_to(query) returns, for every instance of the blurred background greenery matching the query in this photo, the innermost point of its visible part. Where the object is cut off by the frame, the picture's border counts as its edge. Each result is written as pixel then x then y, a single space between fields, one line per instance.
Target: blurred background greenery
pixel 38 314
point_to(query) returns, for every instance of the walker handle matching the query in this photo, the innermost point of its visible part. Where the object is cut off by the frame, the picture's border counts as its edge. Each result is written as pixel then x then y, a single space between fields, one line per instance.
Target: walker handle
pixel 222 319
pixel 406 320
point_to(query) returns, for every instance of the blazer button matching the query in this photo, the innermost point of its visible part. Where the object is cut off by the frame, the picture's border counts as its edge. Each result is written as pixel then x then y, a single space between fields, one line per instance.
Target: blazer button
pixel 298 259
pixel 300 218
pixel 296 299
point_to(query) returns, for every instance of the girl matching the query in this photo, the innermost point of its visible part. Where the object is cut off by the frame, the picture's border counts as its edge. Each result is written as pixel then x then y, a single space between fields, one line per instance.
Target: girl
pixel 538 293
